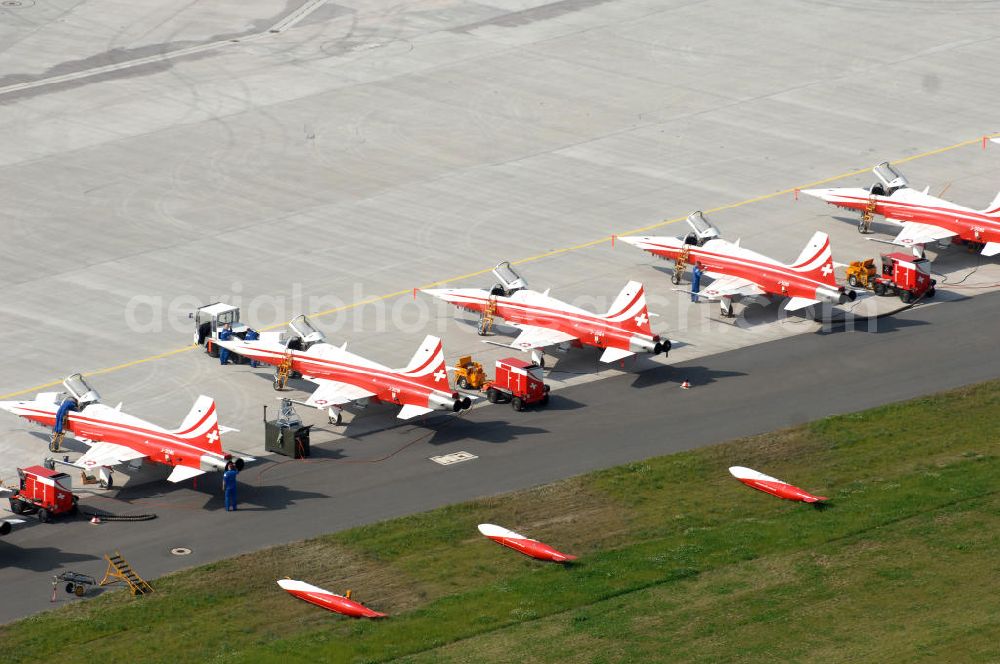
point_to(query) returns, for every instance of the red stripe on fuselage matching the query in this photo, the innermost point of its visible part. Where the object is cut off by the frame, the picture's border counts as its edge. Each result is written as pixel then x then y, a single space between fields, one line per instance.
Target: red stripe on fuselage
pixel 127 435
pixel 798 284
pixel 363 377
pixel 934 215
pixel 520 312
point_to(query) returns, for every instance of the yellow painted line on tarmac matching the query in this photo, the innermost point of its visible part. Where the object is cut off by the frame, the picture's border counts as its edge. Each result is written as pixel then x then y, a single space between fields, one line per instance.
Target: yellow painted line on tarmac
pixel 529 259
pixel 96 372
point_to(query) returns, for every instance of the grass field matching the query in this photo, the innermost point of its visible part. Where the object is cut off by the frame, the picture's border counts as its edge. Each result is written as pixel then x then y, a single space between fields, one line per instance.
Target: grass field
pixel 678 562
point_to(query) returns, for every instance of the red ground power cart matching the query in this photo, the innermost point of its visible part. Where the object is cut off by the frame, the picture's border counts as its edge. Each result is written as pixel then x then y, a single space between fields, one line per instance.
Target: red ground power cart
pixel 45 492
pixel 519 382
pixel 905 275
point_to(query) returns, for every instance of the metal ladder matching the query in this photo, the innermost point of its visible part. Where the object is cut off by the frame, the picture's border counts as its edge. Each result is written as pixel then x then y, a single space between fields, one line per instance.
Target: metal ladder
pixel 865 225
pixel 680 263
pixel 120 570
pixel 486 322
pixel 284 370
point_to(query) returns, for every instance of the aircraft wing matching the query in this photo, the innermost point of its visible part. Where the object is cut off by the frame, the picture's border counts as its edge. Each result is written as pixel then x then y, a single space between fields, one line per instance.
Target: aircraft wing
pixel 107 454
pixel 916 233
pixel 614 354
pixel 797 303
pixel 181 473
pixel 729 286
pixel 533 336
pixel 409 411
pixel 334 393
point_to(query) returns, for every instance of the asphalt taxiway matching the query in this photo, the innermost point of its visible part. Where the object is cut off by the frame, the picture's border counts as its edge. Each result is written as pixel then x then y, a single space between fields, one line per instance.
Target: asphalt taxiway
pixel 323 157
pixel 594 425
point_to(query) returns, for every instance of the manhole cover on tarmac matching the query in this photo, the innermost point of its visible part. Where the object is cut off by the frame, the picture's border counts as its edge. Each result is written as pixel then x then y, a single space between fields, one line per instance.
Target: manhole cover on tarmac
pixel 180 551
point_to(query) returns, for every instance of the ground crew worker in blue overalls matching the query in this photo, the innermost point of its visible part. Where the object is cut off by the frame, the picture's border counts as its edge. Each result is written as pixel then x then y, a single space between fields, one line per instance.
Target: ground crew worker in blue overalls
pixel 225 334
pixel 252 335
pixel 229 486
pixel 695 281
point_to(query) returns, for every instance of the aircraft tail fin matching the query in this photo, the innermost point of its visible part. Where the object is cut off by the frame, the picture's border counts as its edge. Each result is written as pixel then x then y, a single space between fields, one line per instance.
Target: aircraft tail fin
pixel 816 260
pixel 630 309
pixel 201 426
pixel 427 365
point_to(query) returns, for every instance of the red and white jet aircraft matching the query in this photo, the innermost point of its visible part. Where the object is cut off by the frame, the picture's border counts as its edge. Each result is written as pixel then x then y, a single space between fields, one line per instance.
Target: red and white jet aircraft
pixel 739 272
pixel 115 437
pixel 343 377
pixel 924 218
pixel 545 321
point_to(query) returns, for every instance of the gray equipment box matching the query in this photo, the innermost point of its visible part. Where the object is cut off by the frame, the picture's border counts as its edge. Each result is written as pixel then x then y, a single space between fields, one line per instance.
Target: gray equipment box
pixel 286 435
pixel 290 441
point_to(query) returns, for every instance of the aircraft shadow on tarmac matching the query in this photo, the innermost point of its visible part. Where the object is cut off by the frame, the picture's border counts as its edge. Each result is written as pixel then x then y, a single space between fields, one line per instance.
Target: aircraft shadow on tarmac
pixel 291 385
pixel 151 496
pixel 490 431
pixel 38 559
pixel 877 227
pixel 696 375
pixel 667 270
pixel 326 453
pixel 881 325
pixel 500 329
pixel 557 402
pixel 68 444
pixel 753 310
pixel 254 498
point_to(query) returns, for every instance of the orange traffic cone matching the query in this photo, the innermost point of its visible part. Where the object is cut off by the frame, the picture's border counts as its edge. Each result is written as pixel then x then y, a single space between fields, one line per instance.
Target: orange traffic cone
pixel 686 385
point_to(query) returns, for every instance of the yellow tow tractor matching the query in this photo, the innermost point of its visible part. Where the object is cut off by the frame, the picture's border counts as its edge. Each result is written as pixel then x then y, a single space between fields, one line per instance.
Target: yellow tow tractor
pixel 469 375
pixel 861 274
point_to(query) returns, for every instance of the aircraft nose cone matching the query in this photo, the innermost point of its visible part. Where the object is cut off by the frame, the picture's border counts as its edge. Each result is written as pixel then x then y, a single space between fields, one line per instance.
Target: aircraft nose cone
pixel 828 194
pixel 634 240
pixel 9 406
pixel 441 293
pixel 821 194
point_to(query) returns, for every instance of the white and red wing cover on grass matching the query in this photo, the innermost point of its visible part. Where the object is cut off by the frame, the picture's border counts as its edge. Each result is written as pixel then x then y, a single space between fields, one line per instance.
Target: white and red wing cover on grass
pixel 522 544
pixel 328 600
pixel 773 486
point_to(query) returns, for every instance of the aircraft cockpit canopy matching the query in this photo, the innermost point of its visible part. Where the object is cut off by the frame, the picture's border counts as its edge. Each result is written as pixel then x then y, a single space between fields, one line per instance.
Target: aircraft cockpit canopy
pixel 889 179
pixel 509 279
pixel 78 388
pixel 304 332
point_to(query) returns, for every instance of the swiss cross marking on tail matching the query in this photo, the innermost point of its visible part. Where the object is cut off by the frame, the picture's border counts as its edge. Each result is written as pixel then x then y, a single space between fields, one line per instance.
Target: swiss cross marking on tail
pixel 212 437
pixel 440 375
pixel 826 270
pixel 641 319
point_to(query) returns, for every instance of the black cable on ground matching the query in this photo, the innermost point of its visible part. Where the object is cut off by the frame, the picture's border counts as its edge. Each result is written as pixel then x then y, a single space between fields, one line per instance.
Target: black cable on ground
pixel 118 517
